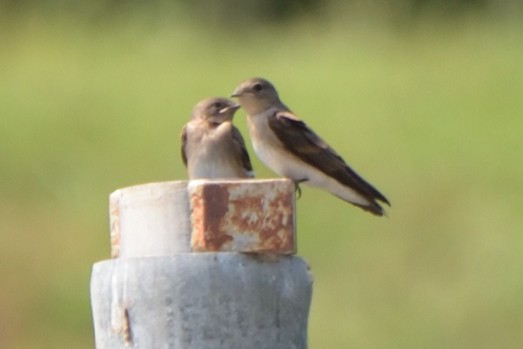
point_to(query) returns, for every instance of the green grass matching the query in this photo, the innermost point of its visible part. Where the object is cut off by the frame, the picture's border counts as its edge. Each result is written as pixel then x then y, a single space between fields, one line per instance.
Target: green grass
pixel 433 118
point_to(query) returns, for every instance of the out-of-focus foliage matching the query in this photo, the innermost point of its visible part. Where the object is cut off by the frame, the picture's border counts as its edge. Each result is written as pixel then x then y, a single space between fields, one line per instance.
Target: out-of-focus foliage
pixel 93 96
pixel 231 12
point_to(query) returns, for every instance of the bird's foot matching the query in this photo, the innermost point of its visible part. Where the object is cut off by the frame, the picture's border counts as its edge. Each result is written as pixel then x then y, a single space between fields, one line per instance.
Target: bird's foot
pixel 297 188
pixel 297 191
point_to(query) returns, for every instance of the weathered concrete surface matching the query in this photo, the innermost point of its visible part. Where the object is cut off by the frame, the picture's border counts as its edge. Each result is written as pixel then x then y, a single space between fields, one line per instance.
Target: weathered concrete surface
pixel 159 219
pixel 160 291
pixel 246 216
pixel 201 301
pixel 150 220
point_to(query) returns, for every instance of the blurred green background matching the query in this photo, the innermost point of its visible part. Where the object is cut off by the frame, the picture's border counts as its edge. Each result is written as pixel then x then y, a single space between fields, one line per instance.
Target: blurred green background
pixel 423 98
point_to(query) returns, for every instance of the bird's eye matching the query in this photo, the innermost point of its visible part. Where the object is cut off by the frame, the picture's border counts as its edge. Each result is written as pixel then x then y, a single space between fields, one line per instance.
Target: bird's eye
pixel 218 105
pixel 257 87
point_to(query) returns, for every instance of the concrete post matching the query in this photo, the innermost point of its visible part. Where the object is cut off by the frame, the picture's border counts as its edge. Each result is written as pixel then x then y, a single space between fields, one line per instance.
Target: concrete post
pixel 202 264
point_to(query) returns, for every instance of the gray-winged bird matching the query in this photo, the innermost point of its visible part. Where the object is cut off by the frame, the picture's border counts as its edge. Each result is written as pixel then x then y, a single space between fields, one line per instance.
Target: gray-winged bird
pixel 291 149
pixel 212 147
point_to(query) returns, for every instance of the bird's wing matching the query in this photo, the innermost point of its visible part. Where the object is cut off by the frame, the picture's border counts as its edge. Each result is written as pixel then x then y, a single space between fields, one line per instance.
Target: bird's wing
pixel 301 141
pixel 183 136
pixel 244 155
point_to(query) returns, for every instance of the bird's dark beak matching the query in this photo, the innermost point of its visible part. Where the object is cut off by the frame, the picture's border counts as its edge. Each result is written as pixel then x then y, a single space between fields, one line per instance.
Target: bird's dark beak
pixel 237 93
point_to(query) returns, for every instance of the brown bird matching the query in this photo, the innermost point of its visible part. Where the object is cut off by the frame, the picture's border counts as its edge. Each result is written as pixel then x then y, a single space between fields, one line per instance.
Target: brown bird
pixel 212 147
pixel 291 149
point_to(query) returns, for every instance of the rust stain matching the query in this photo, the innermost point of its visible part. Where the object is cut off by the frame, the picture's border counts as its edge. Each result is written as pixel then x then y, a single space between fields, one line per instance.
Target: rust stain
pixel 245 217
pixel 127 334
pixel 197 236
pixel 211 207
pixel 269 220
pixel 277 231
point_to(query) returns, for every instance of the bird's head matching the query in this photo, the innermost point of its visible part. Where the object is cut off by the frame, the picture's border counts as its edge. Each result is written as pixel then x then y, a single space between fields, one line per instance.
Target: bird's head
pixel 215 110
pixel 256 95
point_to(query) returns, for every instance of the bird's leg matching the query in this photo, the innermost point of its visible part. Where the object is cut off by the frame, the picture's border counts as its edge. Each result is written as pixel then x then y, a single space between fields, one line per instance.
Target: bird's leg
pixel 297 188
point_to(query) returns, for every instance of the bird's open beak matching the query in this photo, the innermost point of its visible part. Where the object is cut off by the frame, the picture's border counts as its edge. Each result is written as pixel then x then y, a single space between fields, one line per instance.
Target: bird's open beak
pixel 232 108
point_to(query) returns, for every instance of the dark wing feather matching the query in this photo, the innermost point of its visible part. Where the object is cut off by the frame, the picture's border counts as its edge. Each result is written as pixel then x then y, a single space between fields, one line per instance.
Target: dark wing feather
pixel 301 141
pixel 183 136
pixel 238 140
